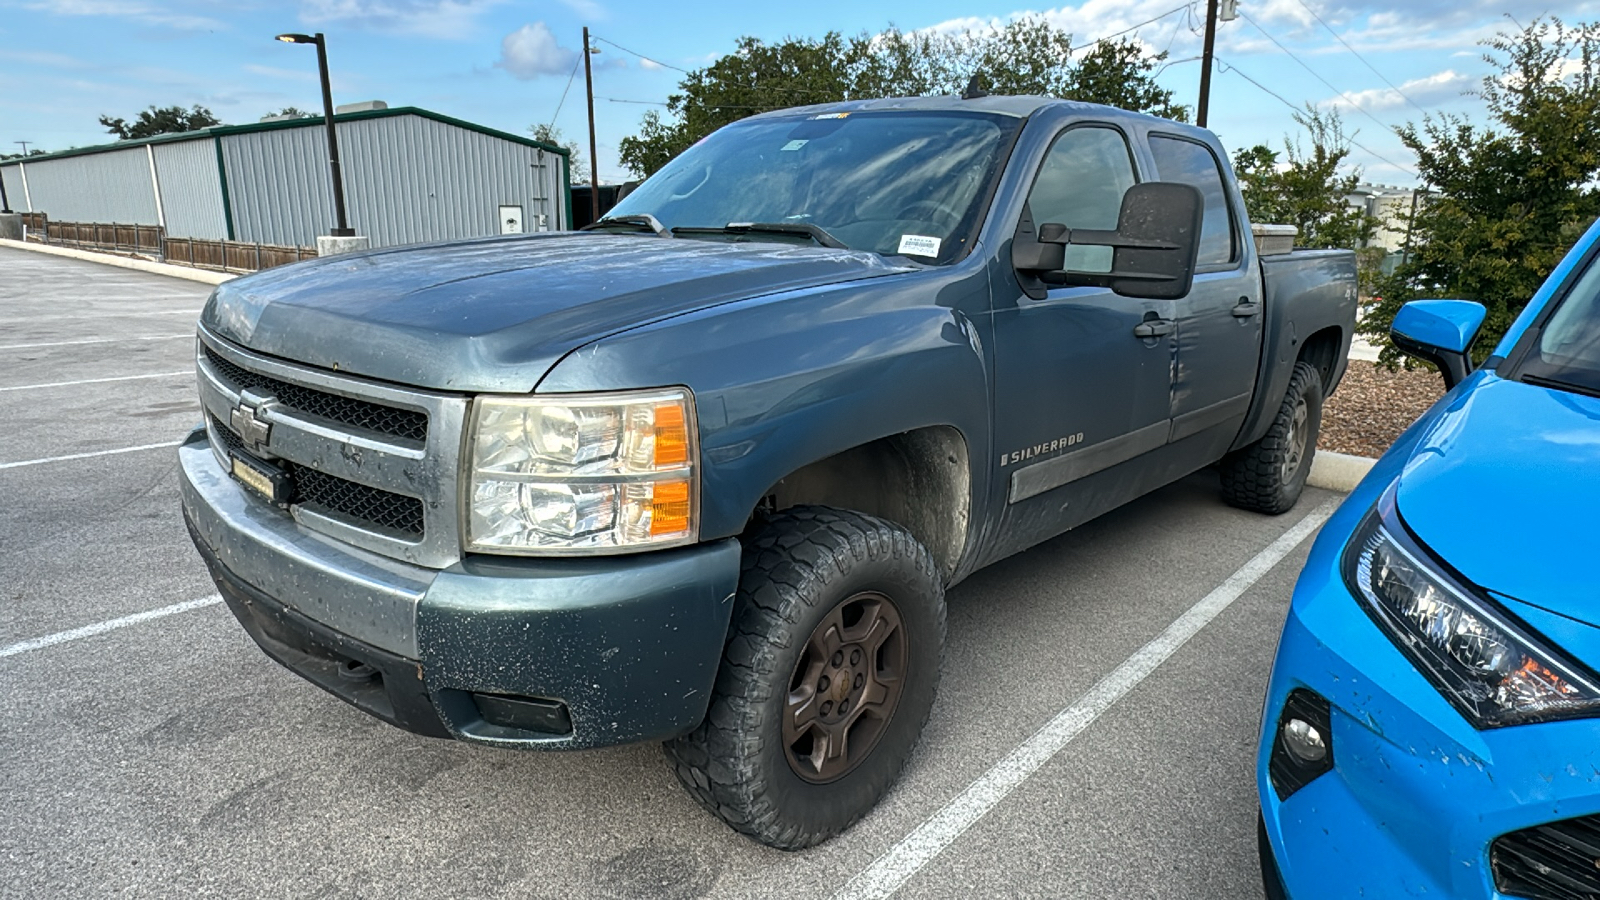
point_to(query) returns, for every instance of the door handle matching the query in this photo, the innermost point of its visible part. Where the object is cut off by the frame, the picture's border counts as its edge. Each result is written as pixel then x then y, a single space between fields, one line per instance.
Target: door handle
pixel 1246 308
pixel 1152 328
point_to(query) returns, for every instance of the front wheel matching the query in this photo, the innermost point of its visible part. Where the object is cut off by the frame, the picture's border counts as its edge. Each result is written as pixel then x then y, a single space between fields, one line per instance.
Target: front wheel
pixel 829 674
pixel 1269 475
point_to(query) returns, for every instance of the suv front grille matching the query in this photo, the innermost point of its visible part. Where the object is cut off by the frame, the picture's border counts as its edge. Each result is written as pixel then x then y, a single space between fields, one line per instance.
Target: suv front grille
pixel 364 506
pixel 388 420
pixel 1557 861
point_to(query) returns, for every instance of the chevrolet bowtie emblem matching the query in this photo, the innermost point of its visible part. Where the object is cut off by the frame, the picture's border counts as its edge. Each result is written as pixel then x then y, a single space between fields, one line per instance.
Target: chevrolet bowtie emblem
pixel 248 424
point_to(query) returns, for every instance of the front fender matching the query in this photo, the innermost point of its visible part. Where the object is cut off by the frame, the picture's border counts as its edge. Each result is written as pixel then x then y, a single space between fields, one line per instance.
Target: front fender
pixel 788 379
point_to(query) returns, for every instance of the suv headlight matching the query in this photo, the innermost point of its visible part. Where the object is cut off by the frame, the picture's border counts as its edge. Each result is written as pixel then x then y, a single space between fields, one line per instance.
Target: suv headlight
pixel 1495 670
pixel 574 474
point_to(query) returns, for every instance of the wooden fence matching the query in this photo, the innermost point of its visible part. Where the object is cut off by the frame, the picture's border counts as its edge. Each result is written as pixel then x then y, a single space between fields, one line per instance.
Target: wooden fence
pixel 151 240
pixel 232 255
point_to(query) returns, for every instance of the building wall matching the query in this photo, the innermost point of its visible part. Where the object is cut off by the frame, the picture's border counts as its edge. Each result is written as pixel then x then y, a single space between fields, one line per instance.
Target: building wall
pixel 97 187
pixel 278 185
pixel 191 189
pixel 14 192
pixel 410 179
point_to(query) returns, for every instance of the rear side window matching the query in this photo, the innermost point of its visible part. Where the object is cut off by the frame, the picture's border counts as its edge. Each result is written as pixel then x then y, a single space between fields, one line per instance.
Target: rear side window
pixel 1080 185
pixel 1189 162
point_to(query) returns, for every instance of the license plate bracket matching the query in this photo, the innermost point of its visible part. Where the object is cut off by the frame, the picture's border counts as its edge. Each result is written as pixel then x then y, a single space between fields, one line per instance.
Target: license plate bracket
pixel 266 479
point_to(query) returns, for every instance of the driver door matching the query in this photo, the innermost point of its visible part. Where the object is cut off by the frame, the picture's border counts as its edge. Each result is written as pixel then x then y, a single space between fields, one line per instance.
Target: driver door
pixel 1077 392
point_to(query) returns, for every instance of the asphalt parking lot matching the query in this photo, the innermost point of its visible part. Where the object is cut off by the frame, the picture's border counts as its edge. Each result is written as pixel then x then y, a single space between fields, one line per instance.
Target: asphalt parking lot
pixel 1093 735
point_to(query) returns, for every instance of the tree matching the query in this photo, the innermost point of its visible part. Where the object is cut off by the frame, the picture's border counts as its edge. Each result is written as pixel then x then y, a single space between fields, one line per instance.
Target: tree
pixel 1027 55
pixel 161 120
pixel 291 112
pixel 577 170
pixel 1506 199
pixel 1307 189
pixel 21 155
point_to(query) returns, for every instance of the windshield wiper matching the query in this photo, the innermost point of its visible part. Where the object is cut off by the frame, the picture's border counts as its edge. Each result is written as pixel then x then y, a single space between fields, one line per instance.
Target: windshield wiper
pixel 1561 384
pixel 640 222
pixel 798 229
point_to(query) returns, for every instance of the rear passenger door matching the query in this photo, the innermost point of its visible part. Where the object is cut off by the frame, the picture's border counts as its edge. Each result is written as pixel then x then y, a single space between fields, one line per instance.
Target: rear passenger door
pixel 1219 323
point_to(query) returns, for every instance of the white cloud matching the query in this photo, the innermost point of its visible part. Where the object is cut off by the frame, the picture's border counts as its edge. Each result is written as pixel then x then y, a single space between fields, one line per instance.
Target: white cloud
pixel 532 50
pixel 1440 87
pixel 649 65
pixel 130 9
pixel 451 19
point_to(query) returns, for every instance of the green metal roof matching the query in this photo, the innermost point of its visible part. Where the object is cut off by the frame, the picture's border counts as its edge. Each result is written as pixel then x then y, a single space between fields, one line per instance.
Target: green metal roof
pixel 307 122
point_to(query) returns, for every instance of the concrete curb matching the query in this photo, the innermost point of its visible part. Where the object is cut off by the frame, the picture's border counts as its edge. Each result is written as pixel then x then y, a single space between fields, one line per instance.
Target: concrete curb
pixel 143 265
pixel 1338 471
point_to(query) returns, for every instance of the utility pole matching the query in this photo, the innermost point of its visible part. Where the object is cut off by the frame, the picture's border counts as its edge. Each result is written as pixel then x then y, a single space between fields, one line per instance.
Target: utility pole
pixel 594 163
pixel 1205 63
pixel 24 147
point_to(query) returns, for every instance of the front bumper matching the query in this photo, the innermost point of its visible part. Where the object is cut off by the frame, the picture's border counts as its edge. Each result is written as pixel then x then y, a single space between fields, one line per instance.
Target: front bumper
pixel 1416 796
pixel 614 649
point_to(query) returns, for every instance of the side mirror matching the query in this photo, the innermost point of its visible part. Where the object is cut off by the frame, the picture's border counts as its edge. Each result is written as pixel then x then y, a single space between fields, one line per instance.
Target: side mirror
pixel 1440 332
pixel 1153 249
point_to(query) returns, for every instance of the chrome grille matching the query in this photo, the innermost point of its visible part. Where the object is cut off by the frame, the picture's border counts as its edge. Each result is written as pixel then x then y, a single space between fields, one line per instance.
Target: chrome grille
pixel 365 506
pixel 401 423
pixel 373 465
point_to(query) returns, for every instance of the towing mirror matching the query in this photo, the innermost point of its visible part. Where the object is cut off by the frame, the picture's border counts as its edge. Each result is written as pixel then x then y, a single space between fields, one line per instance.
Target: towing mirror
pixel 1153 248
pixel 1440 332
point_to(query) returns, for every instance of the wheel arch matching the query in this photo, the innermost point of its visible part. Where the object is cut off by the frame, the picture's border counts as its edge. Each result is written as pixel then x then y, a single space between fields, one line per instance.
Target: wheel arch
pixel 920 479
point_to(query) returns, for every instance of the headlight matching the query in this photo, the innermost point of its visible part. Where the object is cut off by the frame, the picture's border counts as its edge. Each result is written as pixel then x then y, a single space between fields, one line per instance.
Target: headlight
pixel 570 474
pixel 1496 671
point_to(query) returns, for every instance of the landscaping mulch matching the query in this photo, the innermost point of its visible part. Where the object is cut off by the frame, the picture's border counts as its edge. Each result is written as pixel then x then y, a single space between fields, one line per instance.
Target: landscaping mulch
pixel 1373 405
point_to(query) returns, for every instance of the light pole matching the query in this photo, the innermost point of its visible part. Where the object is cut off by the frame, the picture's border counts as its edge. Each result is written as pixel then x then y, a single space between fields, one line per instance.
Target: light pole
pixel 342 229
pixel 1227 11
pixel 594 163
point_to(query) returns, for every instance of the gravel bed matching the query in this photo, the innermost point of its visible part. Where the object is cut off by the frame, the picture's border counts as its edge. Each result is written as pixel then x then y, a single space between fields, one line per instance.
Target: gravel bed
pixel 1373 405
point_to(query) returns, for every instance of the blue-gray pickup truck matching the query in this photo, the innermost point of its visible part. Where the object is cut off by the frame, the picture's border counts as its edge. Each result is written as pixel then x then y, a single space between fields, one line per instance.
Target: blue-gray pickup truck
pixel 702 473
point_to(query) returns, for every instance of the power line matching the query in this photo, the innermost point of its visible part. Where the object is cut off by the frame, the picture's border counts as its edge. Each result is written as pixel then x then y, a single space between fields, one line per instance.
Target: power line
pixel 640 55
pixel 1228 67
pixel 1314 74
pixel 1359 56
pixel 573 74
pixel 1124 31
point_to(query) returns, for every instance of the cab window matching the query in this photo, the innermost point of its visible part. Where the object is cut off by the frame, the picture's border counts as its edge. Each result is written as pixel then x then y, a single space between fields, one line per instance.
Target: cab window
pixel 1080 185
pixel 1190 162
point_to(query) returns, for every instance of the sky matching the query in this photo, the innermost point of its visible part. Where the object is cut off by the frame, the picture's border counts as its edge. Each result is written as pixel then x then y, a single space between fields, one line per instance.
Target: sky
pixel 509 64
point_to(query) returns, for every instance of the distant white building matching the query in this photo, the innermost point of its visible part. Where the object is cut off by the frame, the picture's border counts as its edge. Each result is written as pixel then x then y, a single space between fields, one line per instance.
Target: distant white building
pixel 1391 206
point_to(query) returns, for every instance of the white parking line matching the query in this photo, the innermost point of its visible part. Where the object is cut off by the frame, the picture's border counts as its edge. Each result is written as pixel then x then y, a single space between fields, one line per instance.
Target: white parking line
pixel 62 637
pixel 890 871
pixel 106 315
pixel 158 337
pixel 55 384
pixel 51 459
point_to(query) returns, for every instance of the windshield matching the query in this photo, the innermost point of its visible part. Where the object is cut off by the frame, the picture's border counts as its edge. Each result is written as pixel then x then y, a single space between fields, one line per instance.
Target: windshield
pixel 1568 349
pixel 897 183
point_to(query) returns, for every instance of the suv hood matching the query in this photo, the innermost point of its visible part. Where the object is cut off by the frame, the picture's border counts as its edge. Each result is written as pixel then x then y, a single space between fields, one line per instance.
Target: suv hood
pixel 496 314
pixel 1504 487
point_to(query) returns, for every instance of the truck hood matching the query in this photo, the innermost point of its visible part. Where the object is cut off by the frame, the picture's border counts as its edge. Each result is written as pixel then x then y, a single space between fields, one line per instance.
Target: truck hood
pixel 496 314
pixel 1504 487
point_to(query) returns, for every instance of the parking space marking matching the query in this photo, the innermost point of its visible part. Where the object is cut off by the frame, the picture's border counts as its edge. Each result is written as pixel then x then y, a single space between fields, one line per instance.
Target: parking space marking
pixel 158 337
pixel 55 384
pixel 93 453
pixel 105 315
pixel 62 637
pixel 893 869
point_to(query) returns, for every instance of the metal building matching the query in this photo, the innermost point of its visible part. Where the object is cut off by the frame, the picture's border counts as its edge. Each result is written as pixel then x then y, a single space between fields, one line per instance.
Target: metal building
pixel 409 175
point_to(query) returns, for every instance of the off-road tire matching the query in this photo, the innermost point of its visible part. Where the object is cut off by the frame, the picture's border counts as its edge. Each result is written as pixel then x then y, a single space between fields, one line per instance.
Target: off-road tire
pixel 1268 476
pixel 798 567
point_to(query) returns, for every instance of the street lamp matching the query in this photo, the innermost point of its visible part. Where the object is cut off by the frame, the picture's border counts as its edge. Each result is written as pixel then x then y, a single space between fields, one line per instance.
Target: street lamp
pixel 343 229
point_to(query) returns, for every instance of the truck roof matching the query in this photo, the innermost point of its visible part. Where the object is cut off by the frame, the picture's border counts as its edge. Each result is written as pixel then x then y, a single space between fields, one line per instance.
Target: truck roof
pixel 1019 106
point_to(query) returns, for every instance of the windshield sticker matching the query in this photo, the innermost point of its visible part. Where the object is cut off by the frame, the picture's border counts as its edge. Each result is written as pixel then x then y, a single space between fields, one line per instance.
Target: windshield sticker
pixel 918 245
pixel 794 145
pixel 831 116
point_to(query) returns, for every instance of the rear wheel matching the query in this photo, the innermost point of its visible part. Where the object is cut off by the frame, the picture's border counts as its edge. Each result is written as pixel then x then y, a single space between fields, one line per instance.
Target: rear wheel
pixel 830 671
pixel 1269 475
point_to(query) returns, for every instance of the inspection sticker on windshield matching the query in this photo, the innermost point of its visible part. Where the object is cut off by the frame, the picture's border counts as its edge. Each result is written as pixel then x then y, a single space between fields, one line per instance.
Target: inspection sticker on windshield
pixel 832 116
pixel 794 145
pixel 918 245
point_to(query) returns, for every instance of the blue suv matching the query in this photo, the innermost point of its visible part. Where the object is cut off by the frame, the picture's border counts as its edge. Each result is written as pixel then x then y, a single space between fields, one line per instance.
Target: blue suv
pixel 1432 726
